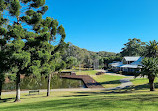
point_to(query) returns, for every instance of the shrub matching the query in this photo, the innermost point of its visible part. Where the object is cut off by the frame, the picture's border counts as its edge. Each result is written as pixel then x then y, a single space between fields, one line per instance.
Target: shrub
pixel 12 77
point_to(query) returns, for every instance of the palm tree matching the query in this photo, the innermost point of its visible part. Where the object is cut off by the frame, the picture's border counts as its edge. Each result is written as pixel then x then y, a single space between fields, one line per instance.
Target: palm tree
pixel 152 49
pixel 150 69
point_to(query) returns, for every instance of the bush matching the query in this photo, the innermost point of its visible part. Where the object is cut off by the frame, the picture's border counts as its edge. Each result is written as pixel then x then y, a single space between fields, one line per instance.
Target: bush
pixel 12 77
pixel 119 72
pixel 128 73
pixel 99 73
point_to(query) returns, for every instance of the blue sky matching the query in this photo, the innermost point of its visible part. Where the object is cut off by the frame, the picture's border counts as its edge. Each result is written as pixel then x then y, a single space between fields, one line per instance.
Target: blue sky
pixel 105 25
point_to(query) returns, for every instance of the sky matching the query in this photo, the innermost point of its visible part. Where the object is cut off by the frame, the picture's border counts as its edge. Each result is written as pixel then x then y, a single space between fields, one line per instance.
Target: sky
pixel 105 25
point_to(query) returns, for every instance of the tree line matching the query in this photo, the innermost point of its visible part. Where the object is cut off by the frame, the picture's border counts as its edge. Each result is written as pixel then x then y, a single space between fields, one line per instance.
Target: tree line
pixel 78 57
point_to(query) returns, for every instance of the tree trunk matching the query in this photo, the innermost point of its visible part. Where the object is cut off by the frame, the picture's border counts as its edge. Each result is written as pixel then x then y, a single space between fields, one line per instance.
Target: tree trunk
pixel 48 85
pixel 151 83
pixel 49 78
pixel 17 87
pixel 1 83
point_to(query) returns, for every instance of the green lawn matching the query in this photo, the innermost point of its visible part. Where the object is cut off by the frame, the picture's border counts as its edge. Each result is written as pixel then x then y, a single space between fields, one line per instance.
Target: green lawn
pixel 107 81
pixel 142 83
pixel 116 100
pixel 84 101
pixel 88 72
pixel 82 72
pixel 139 81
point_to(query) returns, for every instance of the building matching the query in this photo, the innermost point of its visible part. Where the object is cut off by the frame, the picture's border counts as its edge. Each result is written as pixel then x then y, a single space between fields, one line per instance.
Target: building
pixel 128 64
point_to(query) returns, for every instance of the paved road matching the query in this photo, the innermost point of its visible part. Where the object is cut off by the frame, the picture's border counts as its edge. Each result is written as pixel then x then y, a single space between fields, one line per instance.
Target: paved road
pixel 57 90
pixel 124 83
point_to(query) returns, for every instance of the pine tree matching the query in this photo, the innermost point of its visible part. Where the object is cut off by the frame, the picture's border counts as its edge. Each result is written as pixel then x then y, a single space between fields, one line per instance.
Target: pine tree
pixel 26 13
pixel 49 29
pixel 30 40
pixel 53 29
pixel 3 45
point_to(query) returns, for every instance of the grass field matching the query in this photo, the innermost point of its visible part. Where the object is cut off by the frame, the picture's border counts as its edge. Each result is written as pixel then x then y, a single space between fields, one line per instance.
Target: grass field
pixel 84 101
pixel 115 100
pixel 143 83
pixel 107 81
pixel 139 81
pixel 88 72
pixel 82 72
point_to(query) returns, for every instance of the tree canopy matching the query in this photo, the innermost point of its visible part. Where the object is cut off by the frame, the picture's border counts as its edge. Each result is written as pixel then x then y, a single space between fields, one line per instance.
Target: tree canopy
pixel 135 47
pixel 28 39
pixel 84 57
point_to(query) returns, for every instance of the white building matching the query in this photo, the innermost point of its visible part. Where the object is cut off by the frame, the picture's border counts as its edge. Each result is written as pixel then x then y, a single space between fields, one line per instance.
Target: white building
pixel 128 64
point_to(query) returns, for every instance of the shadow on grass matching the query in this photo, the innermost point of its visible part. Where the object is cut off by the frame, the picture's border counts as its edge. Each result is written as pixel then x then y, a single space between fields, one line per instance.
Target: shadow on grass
pixel 110 82
pixel 81 95
pixel 35 96
pixel 94 101
pixel 118 102
pixel 121 91
pixel 142 87
pixel 6 100
pixel 130 89
pixel 120 74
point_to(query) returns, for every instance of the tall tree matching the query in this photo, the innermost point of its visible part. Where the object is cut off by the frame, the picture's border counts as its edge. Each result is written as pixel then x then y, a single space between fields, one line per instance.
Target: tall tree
pixel 3 45
pixel 19 59
pixel 21 13
pixel 53 30
pixel 71 61
pixel 30 39
pixel 133 48
pixel 51 27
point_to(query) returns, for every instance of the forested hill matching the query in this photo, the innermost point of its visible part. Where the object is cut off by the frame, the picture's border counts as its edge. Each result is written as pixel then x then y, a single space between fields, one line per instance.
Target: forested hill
pixel 105 54
pixel 134 47
pixel 83 56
